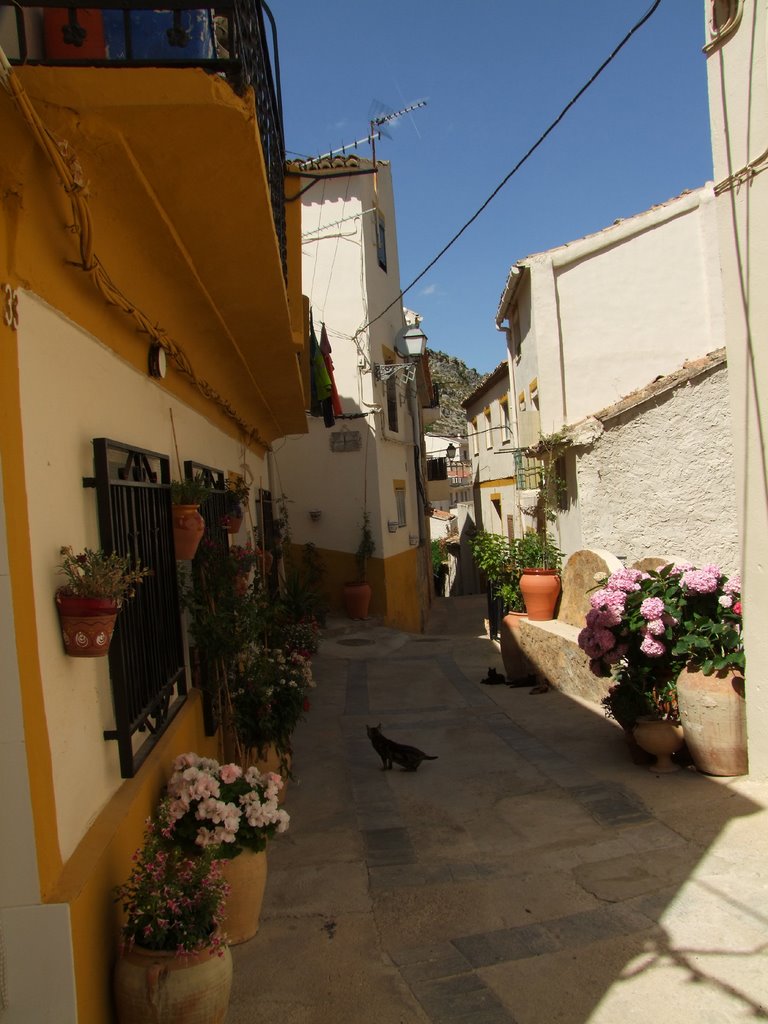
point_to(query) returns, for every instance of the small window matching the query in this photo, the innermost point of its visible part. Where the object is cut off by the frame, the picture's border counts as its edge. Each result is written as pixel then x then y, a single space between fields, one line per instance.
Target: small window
pixel 506 429
pixel 521 401
pixel 400 503
pixel 488 428
pixel 475 437
pixel 381 241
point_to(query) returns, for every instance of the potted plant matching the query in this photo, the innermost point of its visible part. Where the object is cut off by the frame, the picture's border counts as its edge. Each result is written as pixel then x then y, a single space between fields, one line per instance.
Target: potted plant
pixel 540 578
pixel 357 593
pixel 231 813
pixel 173 954
pixel 88 603
pixel 188 525
pixel 236 496
pixel 269 692
pixel 656 630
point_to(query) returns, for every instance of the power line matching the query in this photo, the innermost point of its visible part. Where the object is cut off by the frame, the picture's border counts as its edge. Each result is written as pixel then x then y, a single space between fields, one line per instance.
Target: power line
pixel 521 161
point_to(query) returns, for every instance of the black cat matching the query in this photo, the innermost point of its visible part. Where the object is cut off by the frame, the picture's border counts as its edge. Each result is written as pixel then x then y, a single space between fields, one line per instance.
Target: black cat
pixel 494 678
pixel 408 757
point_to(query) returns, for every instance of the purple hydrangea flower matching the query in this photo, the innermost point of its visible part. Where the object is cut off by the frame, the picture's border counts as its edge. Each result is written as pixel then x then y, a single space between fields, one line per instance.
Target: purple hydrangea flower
pixel 652 608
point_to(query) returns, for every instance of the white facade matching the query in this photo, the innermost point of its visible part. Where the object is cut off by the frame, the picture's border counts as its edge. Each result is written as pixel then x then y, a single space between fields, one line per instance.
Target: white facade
pixel 370 457
pixel 647 485
pixel 591 321
pixel 492 438
pixel 738 86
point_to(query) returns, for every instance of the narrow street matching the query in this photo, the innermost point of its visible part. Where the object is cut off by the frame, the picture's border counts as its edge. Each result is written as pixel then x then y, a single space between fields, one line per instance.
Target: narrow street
pixel 530 874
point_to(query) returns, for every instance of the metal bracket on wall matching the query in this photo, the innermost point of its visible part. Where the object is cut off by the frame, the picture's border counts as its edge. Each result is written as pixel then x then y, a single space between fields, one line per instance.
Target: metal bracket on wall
pixel 10 307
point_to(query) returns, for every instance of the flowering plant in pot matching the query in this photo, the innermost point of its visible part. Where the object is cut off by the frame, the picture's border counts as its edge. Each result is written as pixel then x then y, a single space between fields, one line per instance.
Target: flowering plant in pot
pixel 269 692
pixel 96 586
pixel 645 628
pixel 222 807
pixel 174 954
pixel 236 496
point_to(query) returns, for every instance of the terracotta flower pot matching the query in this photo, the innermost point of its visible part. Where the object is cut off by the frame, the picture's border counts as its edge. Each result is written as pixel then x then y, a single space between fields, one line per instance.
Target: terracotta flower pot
pixel 170 989
pixel 662 738
pixel 188 530
pixel 247 878
pixel 87 624
pixel 713 716
pixel 357 599
pixel 540 589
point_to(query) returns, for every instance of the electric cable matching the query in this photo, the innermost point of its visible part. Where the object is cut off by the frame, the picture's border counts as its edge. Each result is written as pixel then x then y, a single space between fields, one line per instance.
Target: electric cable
pixel 638 25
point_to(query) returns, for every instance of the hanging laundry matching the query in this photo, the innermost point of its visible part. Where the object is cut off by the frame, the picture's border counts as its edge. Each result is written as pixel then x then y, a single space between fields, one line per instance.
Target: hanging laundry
pixel 320 381
pixel 325 348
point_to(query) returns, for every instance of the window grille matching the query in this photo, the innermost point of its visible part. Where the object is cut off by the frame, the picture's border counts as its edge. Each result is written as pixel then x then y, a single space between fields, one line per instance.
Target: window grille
pixel 146 656
pixel 392 417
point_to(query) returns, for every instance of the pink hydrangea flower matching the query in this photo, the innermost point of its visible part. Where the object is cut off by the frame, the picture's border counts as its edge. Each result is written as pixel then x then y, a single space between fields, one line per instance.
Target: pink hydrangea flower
pixel 655 628
pixel 701 581
pixel 626 580
pixel 732 586
pixel 652 608
pixel 651 647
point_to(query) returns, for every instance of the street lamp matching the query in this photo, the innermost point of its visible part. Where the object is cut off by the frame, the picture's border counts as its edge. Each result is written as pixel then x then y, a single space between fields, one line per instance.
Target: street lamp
pixel 450 451
pixel 411 342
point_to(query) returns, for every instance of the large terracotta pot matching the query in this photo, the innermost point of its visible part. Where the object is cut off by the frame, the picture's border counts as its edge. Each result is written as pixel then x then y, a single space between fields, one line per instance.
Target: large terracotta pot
pixel 713 716
pixel 662 738
pixel 247 878
pixel 540 589
pixel 188 530
pixel 87 624
pixel 357 600
pixel 168 989
pixel 516 665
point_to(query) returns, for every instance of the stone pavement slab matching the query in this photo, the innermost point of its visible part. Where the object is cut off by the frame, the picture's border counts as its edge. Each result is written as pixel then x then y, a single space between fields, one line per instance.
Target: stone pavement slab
pixel 530 875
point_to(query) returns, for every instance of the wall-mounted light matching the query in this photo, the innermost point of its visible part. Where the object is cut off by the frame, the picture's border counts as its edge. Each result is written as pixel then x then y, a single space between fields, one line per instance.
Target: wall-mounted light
pixel 450 451
pixel 157 362
pixel 411 342
pixel 392 525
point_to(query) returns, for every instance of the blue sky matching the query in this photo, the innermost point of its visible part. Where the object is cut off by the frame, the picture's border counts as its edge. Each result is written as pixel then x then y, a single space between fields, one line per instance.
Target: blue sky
pixel 495 73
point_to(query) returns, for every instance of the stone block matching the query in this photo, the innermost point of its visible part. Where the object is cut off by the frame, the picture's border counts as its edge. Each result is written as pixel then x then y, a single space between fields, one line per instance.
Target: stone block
pixel 578 579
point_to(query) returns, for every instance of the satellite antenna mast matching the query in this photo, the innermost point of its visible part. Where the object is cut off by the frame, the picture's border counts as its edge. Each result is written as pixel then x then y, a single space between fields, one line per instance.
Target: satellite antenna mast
pixel 377 122
pixel 376 132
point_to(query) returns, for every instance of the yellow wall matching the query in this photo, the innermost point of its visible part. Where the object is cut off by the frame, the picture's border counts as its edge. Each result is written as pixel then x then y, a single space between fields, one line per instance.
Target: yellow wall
pixel 395 599
pixel 103 860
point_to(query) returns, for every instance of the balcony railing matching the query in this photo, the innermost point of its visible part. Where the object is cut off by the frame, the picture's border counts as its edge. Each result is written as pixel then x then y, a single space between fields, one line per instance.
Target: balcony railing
pixel 230 41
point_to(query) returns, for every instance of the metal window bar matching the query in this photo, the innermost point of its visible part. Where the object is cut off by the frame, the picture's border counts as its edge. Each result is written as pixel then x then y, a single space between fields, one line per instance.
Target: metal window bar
pixel 146 656
pixel 528 471
pixel 243 53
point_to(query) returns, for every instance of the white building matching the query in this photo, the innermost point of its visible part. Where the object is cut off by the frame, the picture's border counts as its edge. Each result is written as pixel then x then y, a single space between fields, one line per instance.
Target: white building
pixel 600 329
pixel 367 455
pixel 736 66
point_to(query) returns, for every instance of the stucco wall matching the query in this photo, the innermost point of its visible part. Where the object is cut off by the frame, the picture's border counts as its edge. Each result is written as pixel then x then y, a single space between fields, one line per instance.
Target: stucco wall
pixel 661 478
pixel 74 389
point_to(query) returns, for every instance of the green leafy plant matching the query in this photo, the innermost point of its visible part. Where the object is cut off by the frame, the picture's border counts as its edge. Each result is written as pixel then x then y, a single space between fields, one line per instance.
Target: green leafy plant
pixel 96 574
pixel 503 562
pixel 549 494
pixel 173 900
pixel 269 693
pixel 365 548
pixel 192 491
pixel 237 490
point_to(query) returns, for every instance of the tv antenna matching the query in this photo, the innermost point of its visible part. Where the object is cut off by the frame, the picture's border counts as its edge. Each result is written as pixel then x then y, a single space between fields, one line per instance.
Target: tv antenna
pixel 377 130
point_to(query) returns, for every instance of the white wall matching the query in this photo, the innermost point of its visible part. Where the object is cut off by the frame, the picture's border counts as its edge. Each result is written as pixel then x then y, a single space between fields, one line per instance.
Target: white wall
pixel 614 310
pixel 660 479
pixel 74 389
pixel 738 86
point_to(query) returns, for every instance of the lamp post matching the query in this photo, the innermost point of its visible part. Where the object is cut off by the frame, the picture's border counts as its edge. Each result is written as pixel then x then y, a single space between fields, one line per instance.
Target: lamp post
pixel 411 342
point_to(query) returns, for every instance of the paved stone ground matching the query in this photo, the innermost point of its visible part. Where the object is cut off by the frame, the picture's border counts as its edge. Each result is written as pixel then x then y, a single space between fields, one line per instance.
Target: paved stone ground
pixel 532 874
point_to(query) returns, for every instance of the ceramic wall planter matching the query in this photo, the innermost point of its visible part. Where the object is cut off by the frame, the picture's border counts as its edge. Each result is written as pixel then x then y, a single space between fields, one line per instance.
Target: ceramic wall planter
pixel 87 624
pixel 170 989
pixel 540 589
pixel 660 737
pixel 247 878
pixel 357 600
pixel 234 518
pixel 188 530
pixel 713 716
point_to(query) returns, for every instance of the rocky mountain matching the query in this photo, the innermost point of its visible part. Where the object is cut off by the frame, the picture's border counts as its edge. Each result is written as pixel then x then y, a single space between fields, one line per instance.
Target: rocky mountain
pixel 456 381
